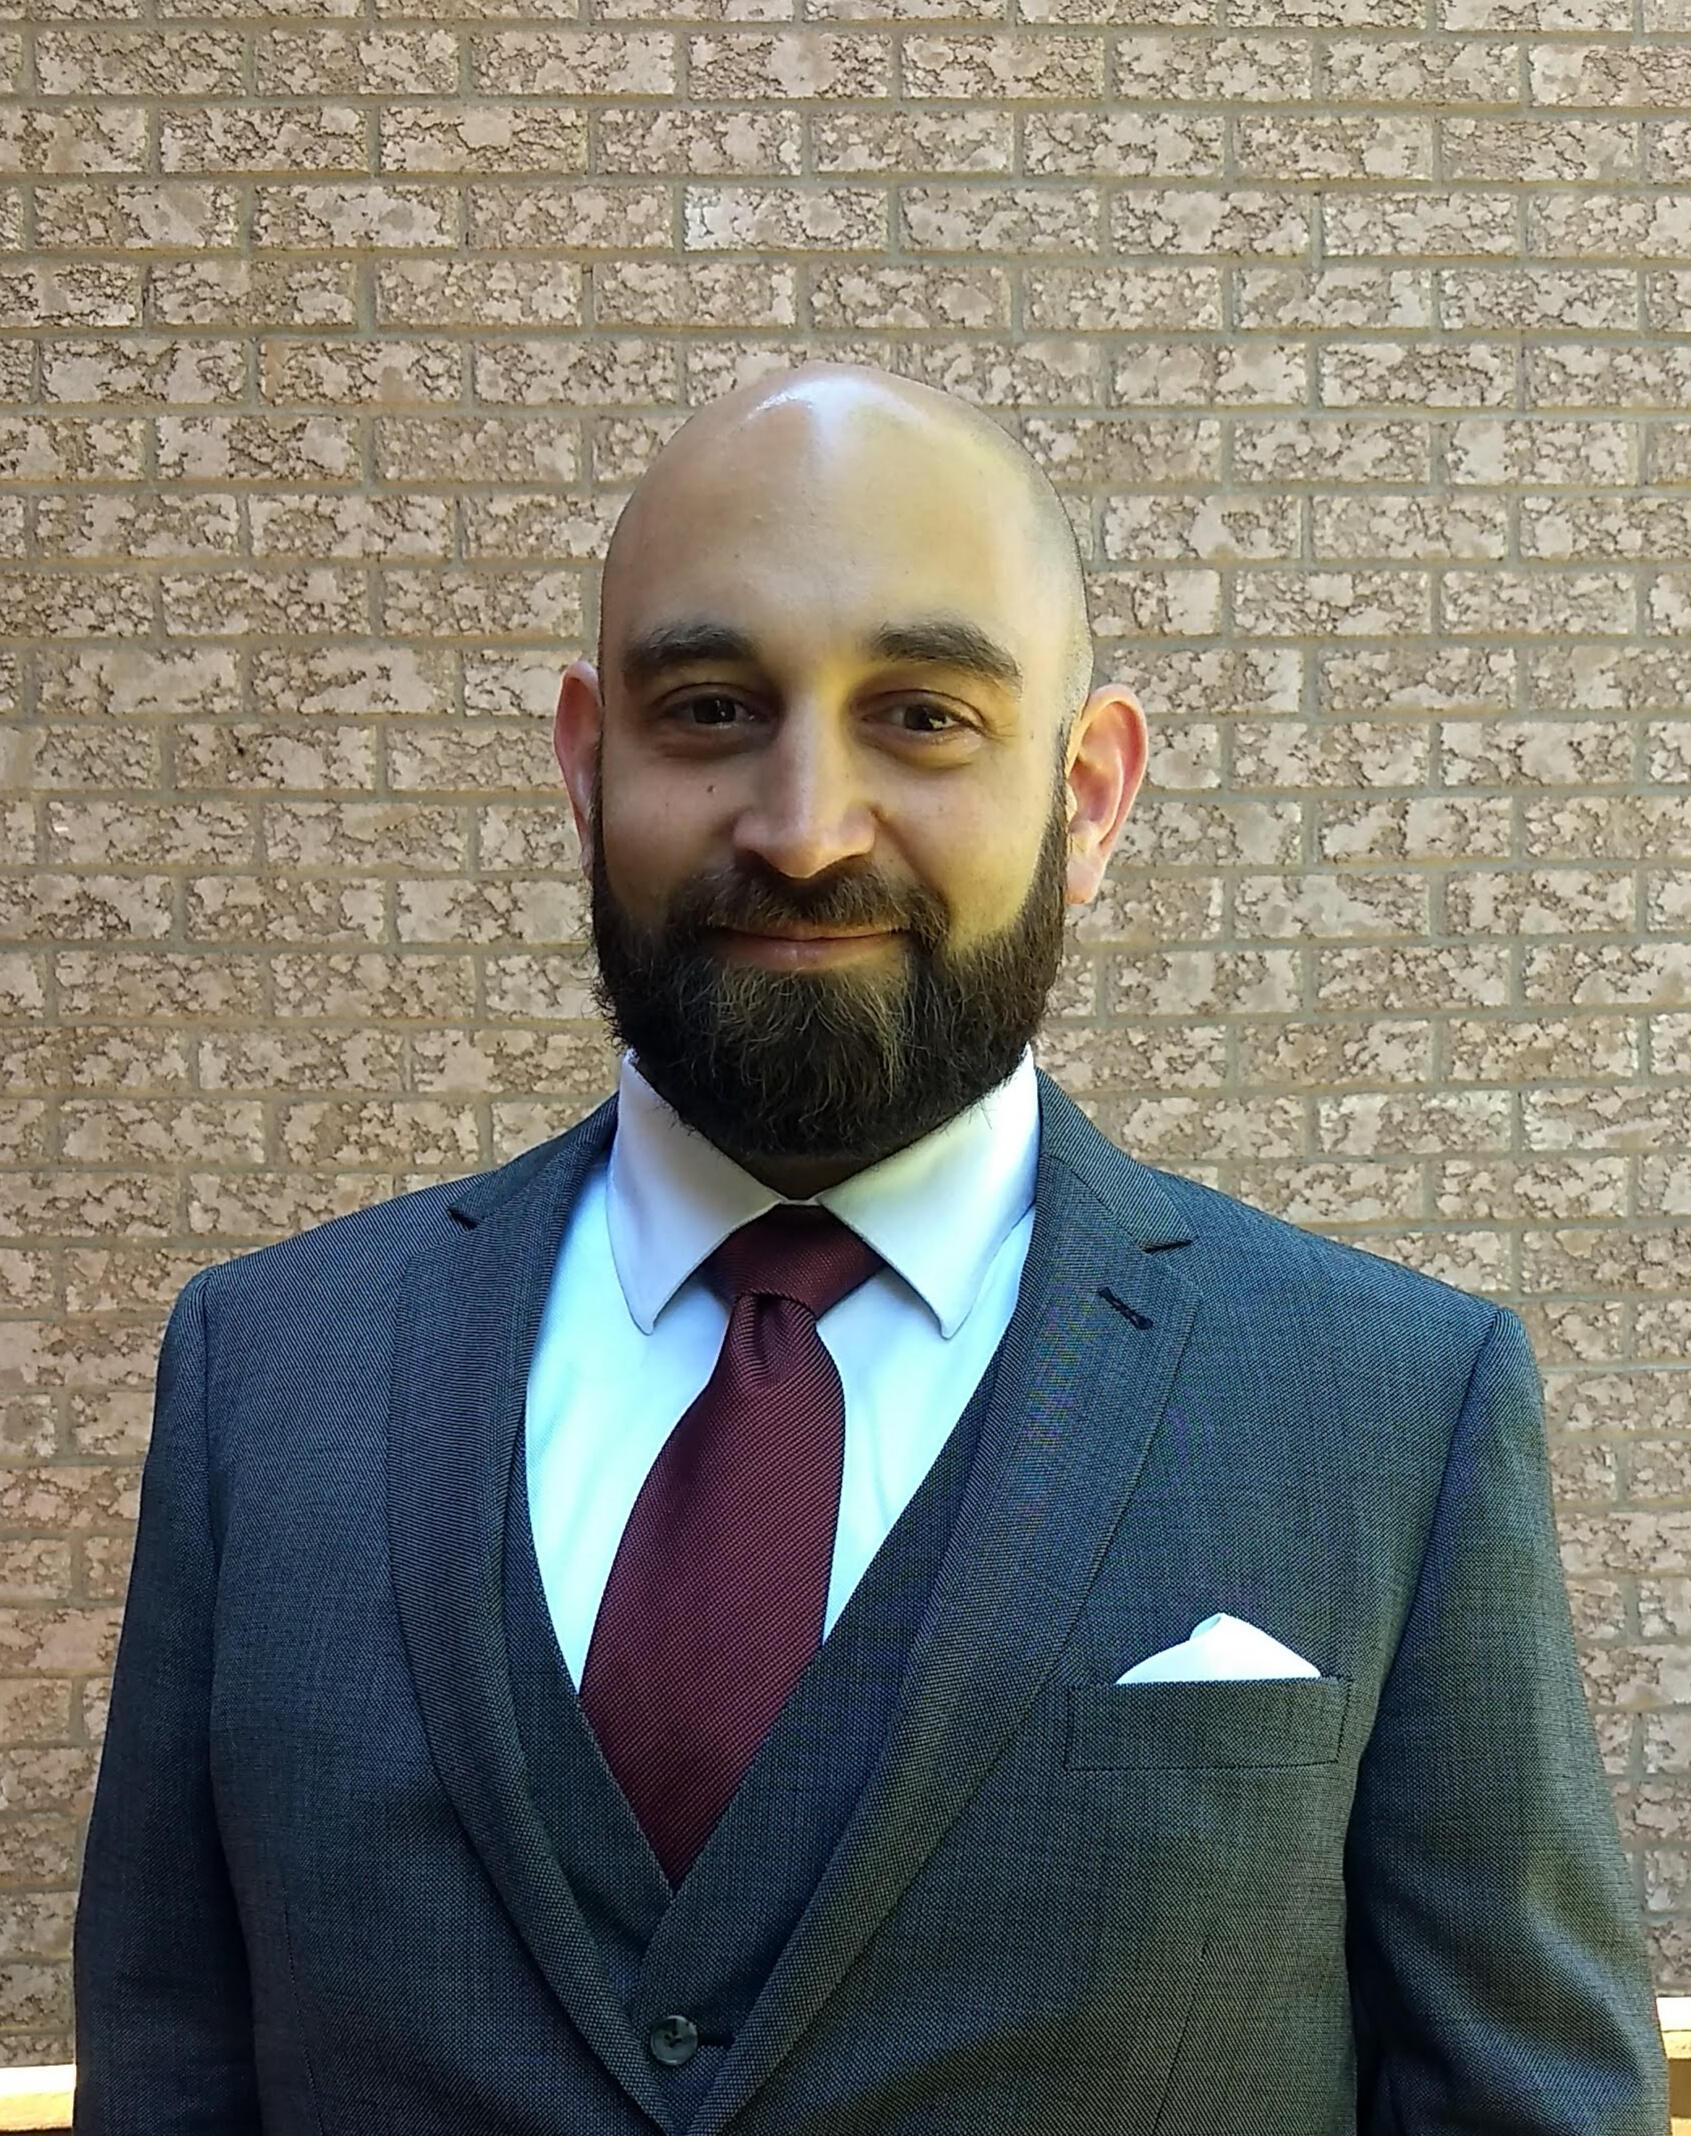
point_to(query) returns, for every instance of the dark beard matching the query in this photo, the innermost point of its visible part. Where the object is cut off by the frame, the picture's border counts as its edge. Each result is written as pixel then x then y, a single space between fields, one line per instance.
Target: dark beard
pixel 844 1064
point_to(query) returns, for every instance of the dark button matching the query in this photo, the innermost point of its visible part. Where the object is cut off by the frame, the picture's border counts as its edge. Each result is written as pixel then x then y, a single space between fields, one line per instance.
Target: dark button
pixel 674 2040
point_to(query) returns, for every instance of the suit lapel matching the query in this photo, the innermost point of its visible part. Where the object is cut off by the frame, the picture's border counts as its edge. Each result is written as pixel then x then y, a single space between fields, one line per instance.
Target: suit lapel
pixel 1100 1324
pixel 1089 1357
pixel 469 1315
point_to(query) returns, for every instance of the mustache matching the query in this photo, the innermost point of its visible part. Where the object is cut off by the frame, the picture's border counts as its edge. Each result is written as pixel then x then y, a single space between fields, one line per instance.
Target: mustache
pixel 753 907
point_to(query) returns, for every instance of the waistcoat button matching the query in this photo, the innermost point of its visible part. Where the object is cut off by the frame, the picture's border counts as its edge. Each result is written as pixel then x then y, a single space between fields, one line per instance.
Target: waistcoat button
pixel 674 2040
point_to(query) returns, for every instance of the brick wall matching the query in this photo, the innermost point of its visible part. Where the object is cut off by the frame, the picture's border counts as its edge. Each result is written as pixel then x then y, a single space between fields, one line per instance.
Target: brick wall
pixel 1358 334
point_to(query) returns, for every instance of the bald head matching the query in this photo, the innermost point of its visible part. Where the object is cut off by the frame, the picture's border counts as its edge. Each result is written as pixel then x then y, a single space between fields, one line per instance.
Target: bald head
pixel 827 429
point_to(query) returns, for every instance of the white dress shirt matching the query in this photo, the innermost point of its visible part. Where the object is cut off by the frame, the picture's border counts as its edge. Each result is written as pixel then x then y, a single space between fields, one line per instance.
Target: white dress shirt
pixel 631 1332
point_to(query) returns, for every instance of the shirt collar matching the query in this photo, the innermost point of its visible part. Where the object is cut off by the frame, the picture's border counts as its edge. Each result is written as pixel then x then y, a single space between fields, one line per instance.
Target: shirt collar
pixel 937 1211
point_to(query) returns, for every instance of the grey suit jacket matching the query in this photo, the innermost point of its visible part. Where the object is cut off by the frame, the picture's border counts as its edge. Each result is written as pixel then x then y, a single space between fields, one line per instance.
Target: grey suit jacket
pixel 1391 1898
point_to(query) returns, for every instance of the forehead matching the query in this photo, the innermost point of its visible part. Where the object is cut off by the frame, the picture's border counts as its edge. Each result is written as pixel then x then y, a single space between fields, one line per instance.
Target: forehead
pixel 781 526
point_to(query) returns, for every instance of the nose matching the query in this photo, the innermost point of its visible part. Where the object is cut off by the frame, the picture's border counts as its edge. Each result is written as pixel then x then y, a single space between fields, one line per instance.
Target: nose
pixel 810 809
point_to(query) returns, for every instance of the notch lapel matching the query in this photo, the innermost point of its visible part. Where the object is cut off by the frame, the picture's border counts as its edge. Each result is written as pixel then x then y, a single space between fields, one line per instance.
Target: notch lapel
pixel 1101 1322
pixel 469 1316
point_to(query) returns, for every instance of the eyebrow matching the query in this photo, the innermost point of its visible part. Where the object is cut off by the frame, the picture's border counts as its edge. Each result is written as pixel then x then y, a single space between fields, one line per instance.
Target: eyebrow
pixel 937 641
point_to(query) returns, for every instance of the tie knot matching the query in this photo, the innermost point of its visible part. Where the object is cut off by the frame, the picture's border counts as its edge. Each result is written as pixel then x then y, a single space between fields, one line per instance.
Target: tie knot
pixel 792 1251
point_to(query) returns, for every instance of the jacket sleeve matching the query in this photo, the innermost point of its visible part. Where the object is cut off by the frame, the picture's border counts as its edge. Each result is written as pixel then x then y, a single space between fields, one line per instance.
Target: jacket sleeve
pixel 163 2020
pixel 1499 1976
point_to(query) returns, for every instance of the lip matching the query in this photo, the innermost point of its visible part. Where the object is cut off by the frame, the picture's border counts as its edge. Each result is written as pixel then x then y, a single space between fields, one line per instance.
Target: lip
pixel 786 950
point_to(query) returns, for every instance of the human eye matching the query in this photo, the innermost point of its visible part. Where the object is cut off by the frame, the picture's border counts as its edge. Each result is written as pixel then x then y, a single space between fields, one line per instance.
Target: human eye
pixel 928 710
pixel 682 711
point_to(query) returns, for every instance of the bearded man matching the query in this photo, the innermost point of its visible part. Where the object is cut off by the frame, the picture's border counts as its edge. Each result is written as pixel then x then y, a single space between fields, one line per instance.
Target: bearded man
pixel 829 1599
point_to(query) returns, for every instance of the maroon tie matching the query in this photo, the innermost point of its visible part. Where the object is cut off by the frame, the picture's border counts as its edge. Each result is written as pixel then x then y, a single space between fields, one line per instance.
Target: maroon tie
pixel 717 1593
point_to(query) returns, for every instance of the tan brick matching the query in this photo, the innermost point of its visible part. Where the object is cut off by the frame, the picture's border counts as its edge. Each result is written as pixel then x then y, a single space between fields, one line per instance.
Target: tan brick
pixel 1535 752
pixel 133 63
pixel 1297 753
pixel 48 906
pixel 74 604
pixel 1215 528
pixel 372 985
pixel 1536 602
pixel 481 293
pixel 1330 904
pixel 1589 225
pixel 1328 1194
pixel 1576 374
pixel 329 61
pixel 324 601
pixel 500 139
pixel 868 296
pixel 78 756
pixel 330 525
pixel 1470 374
pixel 109 523
pixel 1009 374
pixel 1538 151
pixel 374 1131
pixel 1638 975
pixel 283 909
pixel 67 139
pixel 261 1206
pixel 1408 528
pixel 642 140
pixel 1326 603
pixel 606 218
pixel 1096 142
pixel 363 834
pixel 575 372
pixel 1610 76
pixel 394 374
pixel 132 682
pixel 1427 827
pixel 148 834
pixel 796 65
pixel 1328 1055
pixel 353 216
pixel 147 368
pixel 1665 145
pixel 1333 145
pixel 1111 299
pixel 1224 220
pixel 621 448
pixel 264 137
pixel 476 759
pixel 479 603
pixel 168 985
pixel 283 1059
pixel 967 141
pixel 1367 1123
pixel 538 527
pixel 1600 298
pixel 512 685
pixel 1330 450
pixel 139 1131
pixel 575 62
pixel 1086 451
pixel 65 294
pixel 1239 374
pixel 784 219
pixel 519 449
pixel 1537 452
pixel 542 909
pixel 246 754
pixel 1540 901
pixel 1667 298
pixel 1443 221
pixel 1597 528
pixel 252 293
pixel 258 448
pixel 1333 297
pixel 659 293
pixel 178 215
pixel 1423 71
pixel 506 1058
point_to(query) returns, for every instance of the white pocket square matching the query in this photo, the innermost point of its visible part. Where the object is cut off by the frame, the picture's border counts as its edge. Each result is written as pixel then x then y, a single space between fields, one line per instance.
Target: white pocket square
pixel 1222 1647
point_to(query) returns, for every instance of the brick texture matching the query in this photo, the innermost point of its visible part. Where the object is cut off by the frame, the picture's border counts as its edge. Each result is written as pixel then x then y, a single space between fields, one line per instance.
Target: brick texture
pixel 1357 336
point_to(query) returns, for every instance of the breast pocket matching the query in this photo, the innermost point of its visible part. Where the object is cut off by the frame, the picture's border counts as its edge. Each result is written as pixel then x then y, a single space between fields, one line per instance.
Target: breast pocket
pixel 1259 1722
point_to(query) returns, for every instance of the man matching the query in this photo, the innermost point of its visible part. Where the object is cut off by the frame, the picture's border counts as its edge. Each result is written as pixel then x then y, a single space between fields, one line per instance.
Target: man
pixel 634 1639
